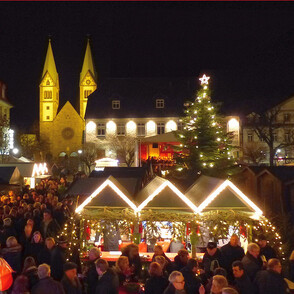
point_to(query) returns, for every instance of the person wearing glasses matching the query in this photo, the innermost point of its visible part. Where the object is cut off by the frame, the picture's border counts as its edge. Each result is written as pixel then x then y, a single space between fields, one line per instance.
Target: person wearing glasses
pixel 176 284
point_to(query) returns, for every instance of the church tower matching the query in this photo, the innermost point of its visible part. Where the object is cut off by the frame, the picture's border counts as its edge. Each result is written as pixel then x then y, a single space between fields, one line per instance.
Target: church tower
pixel 88 80
pixel 49 94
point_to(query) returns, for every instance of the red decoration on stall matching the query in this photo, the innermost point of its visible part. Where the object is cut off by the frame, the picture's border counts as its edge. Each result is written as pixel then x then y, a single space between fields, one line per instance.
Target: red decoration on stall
pixel 6 271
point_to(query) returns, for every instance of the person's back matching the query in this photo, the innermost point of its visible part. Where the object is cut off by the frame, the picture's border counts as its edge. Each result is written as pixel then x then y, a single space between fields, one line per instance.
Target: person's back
pixel 156 285
pixel 192 282
pixel 46 284
pixel 58 259
pixel 271 281
pixel 108 281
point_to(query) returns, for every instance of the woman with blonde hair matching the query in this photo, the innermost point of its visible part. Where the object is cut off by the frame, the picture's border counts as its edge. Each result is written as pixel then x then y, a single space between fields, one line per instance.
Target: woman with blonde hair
pixel 123 270
pixel 218 283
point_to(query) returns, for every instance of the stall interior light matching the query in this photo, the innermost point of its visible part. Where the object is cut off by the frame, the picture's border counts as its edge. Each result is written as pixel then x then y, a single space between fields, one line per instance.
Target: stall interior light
pixel 174 189
pixel 239 193
pixel 100 189
pixel 39 169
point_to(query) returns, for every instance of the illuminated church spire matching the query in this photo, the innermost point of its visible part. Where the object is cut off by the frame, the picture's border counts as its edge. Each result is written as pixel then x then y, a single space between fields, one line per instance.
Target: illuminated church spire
pixel 49 66
pixel 88 80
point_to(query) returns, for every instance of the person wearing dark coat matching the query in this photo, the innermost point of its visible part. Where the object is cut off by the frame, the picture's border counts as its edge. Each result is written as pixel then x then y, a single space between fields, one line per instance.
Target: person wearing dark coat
pixel 58 258
pixel 7 231
pixel 12 254
pixel 46 284
pixel 44 255
pixel 131 251
pixel 242 282
pixel 91 276
pixel 267 251
pixel 35 247
pixel 176 283
pixel 25 239
pixel 108 280
pixel 212 259
pixel 156 284
pixel 49 226
pixel 251 261
pixel 30 270
pixel 231 252
pixel 192 282
pixel 180 260
pixel 158 251
pixel 271 281
pixel 70 280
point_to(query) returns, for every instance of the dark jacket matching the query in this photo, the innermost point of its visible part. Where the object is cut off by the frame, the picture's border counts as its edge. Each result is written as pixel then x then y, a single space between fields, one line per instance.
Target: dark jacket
pixel 192 282
pixel 69 287
pixel 44 255
pixel 32 274
pixel 136 263
pixel 178 264
pixel 244 285
pixel 156 285
pixel 13 257
pixel 231 254
pixel 6 232
pixel 208 259
pixel 172 290
pixel 270 282
pixel 108 283
pixel 52 229
pixel 268 252
pixel 34 249
pixel 252 265
pixel 48 286
pixel 58 259
pixel 91 277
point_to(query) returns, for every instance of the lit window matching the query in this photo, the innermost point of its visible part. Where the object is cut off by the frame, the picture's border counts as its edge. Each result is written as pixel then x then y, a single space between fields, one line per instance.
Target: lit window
pixel 159 103
pixel 180 126
pixel 287 117
pixel 115 104
pixel 160 128
pixel 250 137
pixel 100 129
pixel 141 129
pixel 87 93
pixel 47 94
pixel 121 129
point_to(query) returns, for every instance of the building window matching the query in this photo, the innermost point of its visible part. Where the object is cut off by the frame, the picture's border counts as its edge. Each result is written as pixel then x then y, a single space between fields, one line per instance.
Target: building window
pixel 287 136
pixel 159 103
pixel 115 104
pixel 287 117
pixel 121 129
pixel 47 117
pixel 48 107
pixel 180 126
pixel 47 94
pixel 250 137
pixel 141 129
pixel 100 129
pixel 160 128
pixel 87 93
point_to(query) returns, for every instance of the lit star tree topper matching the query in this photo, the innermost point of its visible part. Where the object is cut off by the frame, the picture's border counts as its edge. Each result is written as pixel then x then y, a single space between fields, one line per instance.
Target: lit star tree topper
pixel 205 143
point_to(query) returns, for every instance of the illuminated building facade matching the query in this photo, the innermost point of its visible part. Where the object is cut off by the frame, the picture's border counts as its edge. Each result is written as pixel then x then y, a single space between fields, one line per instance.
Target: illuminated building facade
pixel 146 108
pixel 62 127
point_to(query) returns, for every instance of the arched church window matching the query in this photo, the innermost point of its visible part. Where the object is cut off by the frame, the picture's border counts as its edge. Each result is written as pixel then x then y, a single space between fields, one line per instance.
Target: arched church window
pixel 47 94
pixel 87 93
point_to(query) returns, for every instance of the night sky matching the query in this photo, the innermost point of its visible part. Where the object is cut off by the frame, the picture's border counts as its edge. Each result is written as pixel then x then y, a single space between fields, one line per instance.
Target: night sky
pixel 247 48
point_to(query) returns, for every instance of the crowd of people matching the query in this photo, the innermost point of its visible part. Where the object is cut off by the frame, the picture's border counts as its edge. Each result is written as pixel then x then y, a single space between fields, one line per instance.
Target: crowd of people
pixel 32 246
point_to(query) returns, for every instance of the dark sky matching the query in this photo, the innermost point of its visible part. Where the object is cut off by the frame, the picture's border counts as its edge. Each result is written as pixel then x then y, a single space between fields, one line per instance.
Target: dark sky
pixel 246 47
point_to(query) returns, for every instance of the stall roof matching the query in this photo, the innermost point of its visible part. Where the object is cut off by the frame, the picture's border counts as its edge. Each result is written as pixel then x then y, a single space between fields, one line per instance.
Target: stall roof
pixel 210 193
pixel 161 193
pixel 109 192
pixel 10 175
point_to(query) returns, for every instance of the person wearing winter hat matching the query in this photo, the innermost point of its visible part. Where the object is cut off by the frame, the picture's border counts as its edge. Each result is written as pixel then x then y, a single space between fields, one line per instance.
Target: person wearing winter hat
pixel 212 259
pixel 70 280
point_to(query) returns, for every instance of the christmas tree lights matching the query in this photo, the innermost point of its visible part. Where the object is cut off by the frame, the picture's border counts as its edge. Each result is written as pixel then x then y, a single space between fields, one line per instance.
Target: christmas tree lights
pixel 204 140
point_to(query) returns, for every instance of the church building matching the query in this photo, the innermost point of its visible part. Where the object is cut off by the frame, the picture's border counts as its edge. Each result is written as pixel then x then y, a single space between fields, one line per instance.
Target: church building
pixel 63 127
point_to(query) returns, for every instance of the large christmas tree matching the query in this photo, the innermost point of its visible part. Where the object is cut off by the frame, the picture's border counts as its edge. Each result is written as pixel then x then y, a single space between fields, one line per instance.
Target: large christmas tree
pixel 205 143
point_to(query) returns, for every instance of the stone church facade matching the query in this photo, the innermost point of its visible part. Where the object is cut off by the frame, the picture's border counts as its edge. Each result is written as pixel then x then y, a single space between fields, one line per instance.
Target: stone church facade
pixel 63 127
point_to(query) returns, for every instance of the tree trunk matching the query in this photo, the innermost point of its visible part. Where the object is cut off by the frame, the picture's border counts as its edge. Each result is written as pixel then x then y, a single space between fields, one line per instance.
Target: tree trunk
pixel 272 155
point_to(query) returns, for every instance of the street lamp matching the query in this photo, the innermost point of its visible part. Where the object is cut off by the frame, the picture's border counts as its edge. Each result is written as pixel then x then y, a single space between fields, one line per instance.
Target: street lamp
pixel 15 151
pixel 80 151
